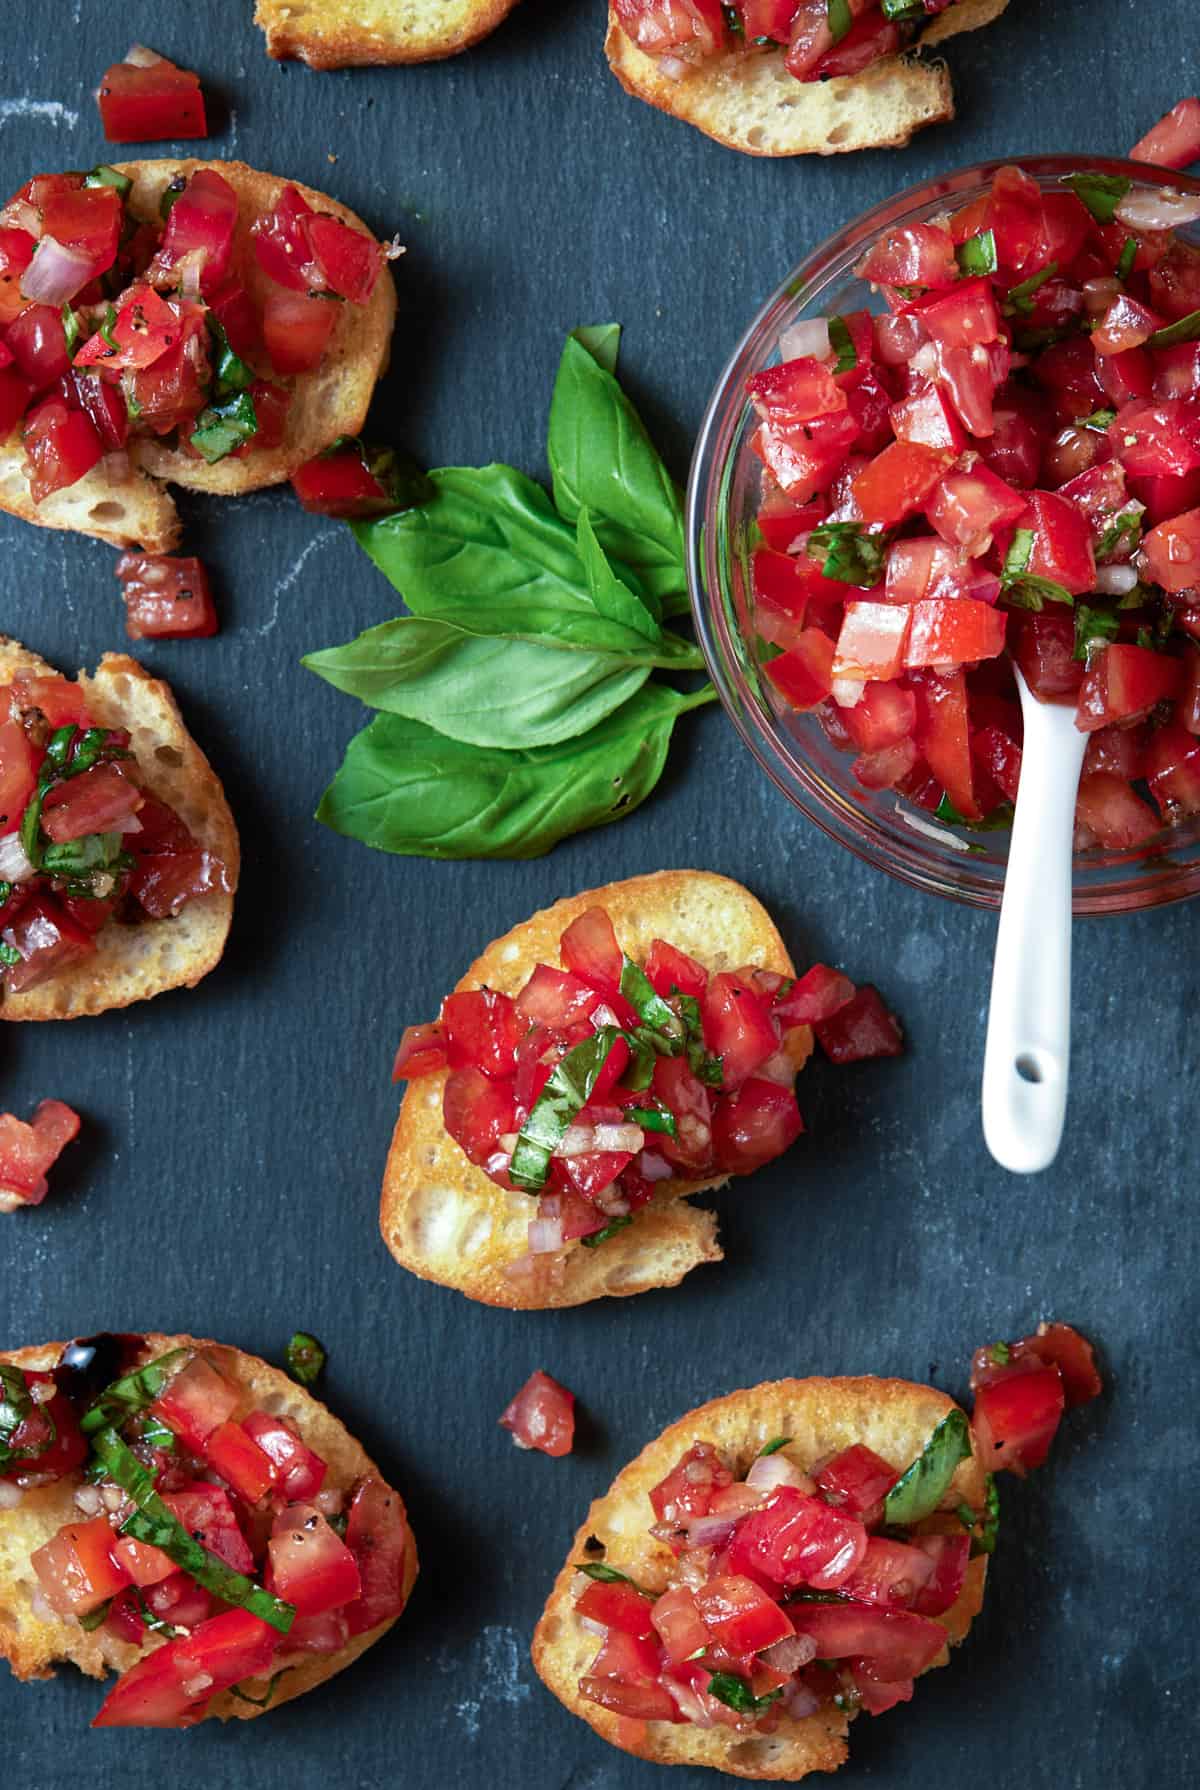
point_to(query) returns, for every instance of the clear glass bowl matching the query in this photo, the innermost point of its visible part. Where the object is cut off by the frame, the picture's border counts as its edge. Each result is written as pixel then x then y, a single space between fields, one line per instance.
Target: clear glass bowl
pixel 879 826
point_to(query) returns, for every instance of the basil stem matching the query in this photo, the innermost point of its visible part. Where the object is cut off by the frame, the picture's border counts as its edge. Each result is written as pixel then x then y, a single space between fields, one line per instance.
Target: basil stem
pixel 773 1446
pixel 920 1489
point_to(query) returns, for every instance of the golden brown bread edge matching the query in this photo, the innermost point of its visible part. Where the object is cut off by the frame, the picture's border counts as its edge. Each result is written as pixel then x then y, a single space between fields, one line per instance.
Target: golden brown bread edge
pixel 751 103
pixel 33 1645
pixel 445 1220
pixel 360 33
pixel 135 963
pixel 894 1417
pixel 328 402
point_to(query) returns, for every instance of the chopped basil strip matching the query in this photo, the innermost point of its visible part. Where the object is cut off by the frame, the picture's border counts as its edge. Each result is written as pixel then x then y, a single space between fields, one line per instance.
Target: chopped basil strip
pixel 842 343
pixel 703 1065
pixel 1125 522
pixel 735 1693
pixel 230 372
pixel 840 18
pixel 805 1595
pixel 15 1407
pixel 642 1058
pixel 978 254
pixel 557 1106
pixel 901 10
pixel 77 858
pixel 132 1392
pixel 608 1575
pixel 1020 298
pixel 1127 258
pixel 156 1623
pixel 9 954
pixel 225 426
pixel 1186 330
pixel 156 1434
pixel 103 175
pixel 170 193
pixel 649 1006
pixel 920 1489
pixel 850 554
pixel 1020 586
pixel 999 1354
pixel 305 1357
pixel 153 1523
pixel 94 1618
pixel 1101 193
pixel 106 328
pixel 653 1118
pixel 235 1690
pixel 989 1528
pixel 610 1230
pixel 774 1446
pixel 71 329
pixel 1099 419
pixel 965 1515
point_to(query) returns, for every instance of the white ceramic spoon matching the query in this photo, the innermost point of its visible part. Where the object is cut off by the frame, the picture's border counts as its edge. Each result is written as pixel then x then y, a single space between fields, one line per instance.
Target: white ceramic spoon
pixel 1025 1063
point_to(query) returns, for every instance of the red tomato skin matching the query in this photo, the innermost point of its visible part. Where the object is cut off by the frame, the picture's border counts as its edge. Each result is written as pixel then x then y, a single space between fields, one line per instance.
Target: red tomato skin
pixel 165 598
pixel 891 1574
pixel 296 330
pixel 298 1472
pixel 899 481
pixel 817 994
pixel 857 1480
pixel 942 735
pixel 350 261
pixel 482 1030
pixel 618 1606
pixel 208 1516
pixel 950 633
pixel 1114 813
pixel 47 939
pixel 912 255
pixel 77 1569
pixel 668 969
pixel 862 1028
pixel 240 1461
pixel 804 674
pixel 422 1051
pixel 690 1101
pixel 477 1112
pixel 1062 542
pixel 881 1642
pixel 19 762
pixel 38 346
pixel 755 1125
pixel 340 484
pixel 542 1416
pixel 1174 142
pixel 950 1555
pixel 61 447
pixel 164 882
pixel 145 1564
pixel 15 393
pixel 740 1615
pixel 226 1650
pixel 196 1402
pixel 798 1540
pixel 311 1567
pixel 97 801
pixel 678 1624
pixel 737 1028
pixel 377 1535
pixel 1016 1417
pixel 1123 682
pixel 1172 551
pixel 589 950
pixel 1071 1353
pixel 689 1488
pixel 156 104
pixel 1173 772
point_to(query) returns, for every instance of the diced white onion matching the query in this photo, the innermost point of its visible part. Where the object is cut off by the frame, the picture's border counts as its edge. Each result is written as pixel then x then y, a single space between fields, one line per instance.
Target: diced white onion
pixel 10 1495
pixel 770 1471
pixel 811 338
pixel 1115 581
pixel 620 1137
pixel 14 865
pixel 88 1500
pixel 196 1687
pixel 545 1235
pixel 791 1654
pixel 1157 208
pixel 141 57
pixel 673 68
pixel 920 825
pixel 56 273
pixel 847 692
pixel 21 215
pixel 188 270
pixel 393 250
pixel 604 1016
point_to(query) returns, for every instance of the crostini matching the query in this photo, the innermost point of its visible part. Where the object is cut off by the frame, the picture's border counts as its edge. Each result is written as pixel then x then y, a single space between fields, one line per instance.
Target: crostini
pixel 792 77
pixel 337 34
pixel 185 322
pixel 118 854
pixel 773 1564
pixel 147 1482
pixel 557 1117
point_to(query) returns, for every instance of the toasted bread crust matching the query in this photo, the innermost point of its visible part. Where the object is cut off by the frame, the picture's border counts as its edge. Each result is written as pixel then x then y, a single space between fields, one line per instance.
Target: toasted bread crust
pixel 336 34
pixel 33 1644
pixel 752 104
pixel 134 963
pixel 328 402
pixel 893 1417
pixel 445 1220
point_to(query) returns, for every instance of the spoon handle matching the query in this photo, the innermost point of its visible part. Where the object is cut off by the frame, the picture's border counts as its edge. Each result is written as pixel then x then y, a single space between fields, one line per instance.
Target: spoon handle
pixel 1029 1023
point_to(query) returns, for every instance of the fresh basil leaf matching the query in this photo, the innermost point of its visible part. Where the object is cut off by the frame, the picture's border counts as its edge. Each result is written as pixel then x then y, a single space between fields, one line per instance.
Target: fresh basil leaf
pixel 71 330
pixel 557 1107
pixel 77 858
pixel 224 426
pixel 106 329
pixel 489 555
pixel 602 341
pixel 103 175
pixel 774 1445
pixel 15 1406
pixel 653 1118
pixel 805 1595
pixel 403 788
pixel 154 1523
pixel 614 600
pixel 978 254
pixel 610 1230
pixel 1127 258
pixel 902 10
pixel 1019 299
pixel 482 690
pixel 989 1528
pixel 848 552
pixel 842 344
pixel 649 1006
pixel 1101 193
pixel 704 1067
pixel 1187 329
pixel 9 954
pixel 840 18
pixel 999 1354
pixel 734 1692
pixel 305 1357
pixel 230 372
pixel 132 1392
pixel 920 1489
pixel 170 193
pixel 602 459
pixel 156 1434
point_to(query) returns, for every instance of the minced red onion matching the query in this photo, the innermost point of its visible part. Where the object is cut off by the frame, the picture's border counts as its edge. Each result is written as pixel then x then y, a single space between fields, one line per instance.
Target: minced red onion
pixel 673 68
pixel 799 1701
pixel 117 467
pixel 689 1703
pixel 10 1495
pixel 545 1235
pixel 770 1471
pixel 189 270
pixel 802 339
pixel 790 1654
pixel 708 1532
pixel 1157 208
pixel 14 864
pixel 653 1167
pixel 141 57
pixel 1115 581
pixel 56 273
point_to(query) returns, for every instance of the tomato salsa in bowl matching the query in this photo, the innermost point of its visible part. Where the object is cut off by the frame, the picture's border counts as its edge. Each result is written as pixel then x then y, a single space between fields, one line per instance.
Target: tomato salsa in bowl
pixel 966 431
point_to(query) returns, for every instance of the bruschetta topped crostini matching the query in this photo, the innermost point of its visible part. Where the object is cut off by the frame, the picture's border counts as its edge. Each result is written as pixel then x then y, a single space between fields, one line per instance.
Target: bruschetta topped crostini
pixel 186 1515
pixel 772 1565
pixel 190 322
pixel 118 854
pixel 341 34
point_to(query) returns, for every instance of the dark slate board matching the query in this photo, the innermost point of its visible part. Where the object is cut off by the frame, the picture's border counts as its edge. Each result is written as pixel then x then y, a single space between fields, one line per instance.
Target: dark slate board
pixel 235 1136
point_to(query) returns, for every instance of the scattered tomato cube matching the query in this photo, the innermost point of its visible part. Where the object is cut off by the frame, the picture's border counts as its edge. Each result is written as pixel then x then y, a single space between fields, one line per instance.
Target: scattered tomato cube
pixel 165 598
pixel 28 1151
pixel 146 99
pixel 542 1416
pixel 1174 142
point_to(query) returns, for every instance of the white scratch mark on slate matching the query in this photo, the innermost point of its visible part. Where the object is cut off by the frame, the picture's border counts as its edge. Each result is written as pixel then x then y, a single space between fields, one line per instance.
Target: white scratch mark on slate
pixel 52 109
pixel 292 574
pixel 493 1667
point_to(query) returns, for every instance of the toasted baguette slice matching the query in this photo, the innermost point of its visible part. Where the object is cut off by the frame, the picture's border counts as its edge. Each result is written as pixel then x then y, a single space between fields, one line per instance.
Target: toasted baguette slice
pixel 343 34
pixel 34 1639
pixel 893 1417
pixel 328 402
pixel 444 1219
pixel 134 963
pixel 753 104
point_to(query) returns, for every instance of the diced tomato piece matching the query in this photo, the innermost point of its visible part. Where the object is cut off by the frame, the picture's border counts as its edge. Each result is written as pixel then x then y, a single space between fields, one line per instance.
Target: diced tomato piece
pixel 482 1030
pixel 688 1098
pixel 899 481
pixel 311 1566
pixel 1121 749
pixel 964 317
pixel 968 507
pixel 885 714
pixel 1016 1416
pixel 477 1112
pixel 298 1472
pixel 1017 220
pixel 16 252
pixel 38 345
pixel 678 1624
pixel 145 1565
pixel 871 642
pixel 542 1416
pixel 350 261
pixel 1124 682
pixel 1114 813
pixel 942 735
pixel 956 632
pixel 47 939
pixel 341 483
pixel 589 949
pixel 891 1574
pixel 19 762
pixel 196 1402
pixel 160 1691
pixel 422 1052
pixel 756 1124
pixel 798 1540
pixel 999 756
pixel 886 767
pixel 203 217
pixel 1174 280
pixel 556 998
pixel 1172 551
pixel 929 418
pixel 1173 771
pixel 61 447
pixel 857 1480
pixel 146 326
pixel 77 1569
pixel 795 392
pixel 104 406
pixel 689 1488
pixel 886 1645
pixel 47 1442
pixel 88 221
pixel 740 1615
pixel 296 329
pixel 911 255
pixel 97 801
pixel 164 882
pixel 817 994
pixel 154 103
pixel 688 29
pixel 1174 142
pixel 737 1027
pixel 1044 648
pixel 238 1458
pixel 1156 437
pixel 165 598
pixel 1062 542
pixel 15 393
pixel 208 1516
pixel 804 458
pixel 877 1699
pixel 378 1537
pixel 619 1606
pixel 28 1152
pixel 668 969
pixel 870 38
pixel 862 1028
pixel 804 674
pixel 1063 1347
pixel 950 1556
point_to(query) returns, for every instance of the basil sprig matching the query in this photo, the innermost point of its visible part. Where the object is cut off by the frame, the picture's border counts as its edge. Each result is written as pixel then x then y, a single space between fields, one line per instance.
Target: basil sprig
pixel 736 1694
pixel 152 1522
pixel 921 1488
pixel 132 1392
